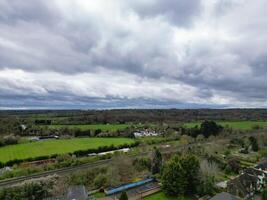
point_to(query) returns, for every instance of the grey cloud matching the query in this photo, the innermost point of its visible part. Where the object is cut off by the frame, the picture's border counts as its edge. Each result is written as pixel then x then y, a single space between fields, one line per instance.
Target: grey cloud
pixel 180 13
pixel 209 49
pixel 31 11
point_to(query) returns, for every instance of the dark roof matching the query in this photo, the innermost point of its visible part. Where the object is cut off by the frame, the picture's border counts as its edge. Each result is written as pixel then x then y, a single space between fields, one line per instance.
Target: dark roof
pixel 262 165
pixel 77 193
pixel 255 172
pixel 243 183
pixel 224 196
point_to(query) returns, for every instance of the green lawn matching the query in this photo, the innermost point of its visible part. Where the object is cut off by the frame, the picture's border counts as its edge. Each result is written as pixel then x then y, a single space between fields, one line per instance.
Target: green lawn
pixel 244 125
pixel 162 196
pixel 103 127
pixel 49 147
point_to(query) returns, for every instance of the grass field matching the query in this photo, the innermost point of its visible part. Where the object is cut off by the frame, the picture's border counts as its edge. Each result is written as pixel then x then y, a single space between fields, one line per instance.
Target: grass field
pixel 49 147
pixel 162 196
pixel 244 125
pixel 103 127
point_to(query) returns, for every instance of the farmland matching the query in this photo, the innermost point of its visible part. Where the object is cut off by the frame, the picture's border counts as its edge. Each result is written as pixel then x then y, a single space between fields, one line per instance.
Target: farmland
pixel 49 147
pixel 243 125
pixel 103 127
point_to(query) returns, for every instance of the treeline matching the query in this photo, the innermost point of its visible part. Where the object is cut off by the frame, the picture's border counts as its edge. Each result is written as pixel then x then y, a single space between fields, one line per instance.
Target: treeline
pixel 78 153
pixel 133 115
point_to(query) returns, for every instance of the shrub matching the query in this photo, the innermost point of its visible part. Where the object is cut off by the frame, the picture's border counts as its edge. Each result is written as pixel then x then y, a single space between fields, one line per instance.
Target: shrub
pixel 100 181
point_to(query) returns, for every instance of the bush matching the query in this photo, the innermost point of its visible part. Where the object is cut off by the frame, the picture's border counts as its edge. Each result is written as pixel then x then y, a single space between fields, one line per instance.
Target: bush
pixel 100 181
pixel 233 165
pixel 142 164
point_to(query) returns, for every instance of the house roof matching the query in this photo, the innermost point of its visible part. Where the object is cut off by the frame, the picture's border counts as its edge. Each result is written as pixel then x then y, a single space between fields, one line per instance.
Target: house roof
pixel 255 172
pixel 77 193
pixel 243 183
pixel 224 196
pixel 262 165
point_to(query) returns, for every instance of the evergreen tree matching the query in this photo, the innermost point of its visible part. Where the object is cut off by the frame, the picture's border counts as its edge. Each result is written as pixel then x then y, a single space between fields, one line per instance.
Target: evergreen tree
pixel 264 194
pixel 181 175
pixel 123 196
pixel 156 161
pixel 254 143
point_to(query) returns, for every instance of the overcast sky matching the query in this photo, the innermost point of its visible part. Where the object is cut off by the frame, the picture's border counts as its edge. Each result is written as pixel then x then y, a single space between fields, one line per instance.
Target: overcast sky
pixel 133 53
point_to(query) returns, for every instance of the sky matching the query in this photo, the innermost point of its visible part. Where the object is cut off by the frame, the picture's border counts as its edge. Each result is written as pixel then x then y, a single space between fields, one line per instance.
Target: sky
pixel 85 54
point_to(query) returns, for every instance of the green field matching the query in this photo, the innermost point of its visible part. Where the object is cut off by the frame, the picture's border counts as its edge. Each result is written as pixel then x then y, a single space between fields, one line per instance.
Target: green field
pixel 244 125
pixel 162 196
pixel 103 127
pixel 49 147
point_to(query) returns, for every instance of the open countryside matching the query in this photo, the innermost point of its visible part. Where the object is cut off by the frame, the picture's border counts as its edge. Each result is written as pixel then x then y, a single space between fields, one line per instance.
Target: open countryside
pixel 244 125
pixel 62 146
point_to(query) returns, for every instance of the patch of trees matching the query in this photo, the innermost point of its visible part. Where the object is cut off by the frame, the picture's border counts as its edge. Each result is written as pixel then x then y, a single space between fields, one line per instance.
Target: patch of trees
pixel 42 122
pixel 8 140
pixel 207 128
pixel 30 191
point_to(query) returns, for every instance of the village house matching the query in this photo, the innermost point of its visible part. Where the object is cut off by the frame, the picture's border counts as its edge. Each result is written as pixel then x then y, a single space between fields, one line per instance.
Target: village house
pixel 262 165
pixel 224 196
pixel 146 133
pixel 248 183
pixel 244 185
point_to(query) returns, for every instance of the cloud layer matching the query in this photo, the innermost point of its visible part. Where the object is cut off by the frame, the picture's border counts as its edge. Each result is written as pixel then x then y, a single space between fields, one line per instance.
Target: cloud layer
pixel 152 53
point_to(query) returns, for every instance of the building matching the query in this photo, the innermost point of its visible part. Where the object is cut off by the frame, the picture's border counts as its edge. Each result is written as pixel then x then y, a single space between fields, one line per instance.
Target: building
pixel 146 133
pixel 244 185
pixel 262 175
pixel 262 165
pixel 224 196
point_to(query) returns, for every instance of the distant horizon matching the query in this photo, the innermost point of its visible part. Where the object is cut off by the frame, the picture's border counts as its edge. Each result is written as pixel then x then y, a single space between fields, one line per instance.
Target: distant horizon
pixel 107 109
